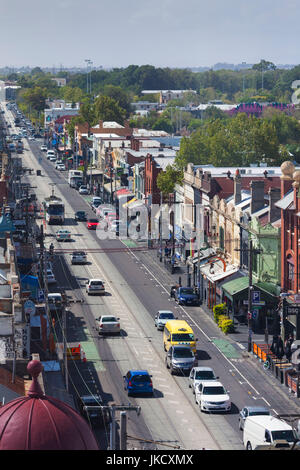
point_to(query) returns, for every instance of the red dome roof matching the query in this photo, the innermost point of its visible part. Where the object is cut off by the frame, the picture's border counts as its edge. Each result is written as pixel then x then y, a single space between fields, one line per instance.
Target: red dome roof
pixel 38 422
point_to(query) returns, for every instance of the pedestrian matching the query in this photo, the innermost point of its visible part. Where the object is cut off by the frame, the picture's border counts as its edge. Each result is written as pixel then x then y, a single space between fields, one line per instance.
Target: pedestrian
pixel 288 347
pixel 279 348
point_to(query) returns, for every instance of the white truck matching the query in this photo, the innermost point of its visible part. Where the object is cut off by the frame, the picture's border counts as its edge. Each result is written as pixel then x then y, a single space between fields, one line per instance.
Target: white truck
pixel 75 178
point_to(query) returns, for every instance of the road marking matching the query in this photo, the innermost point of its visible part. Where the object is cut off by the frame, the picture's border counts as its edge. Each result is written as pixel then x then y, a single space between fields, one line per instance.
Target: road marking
pixel 204 334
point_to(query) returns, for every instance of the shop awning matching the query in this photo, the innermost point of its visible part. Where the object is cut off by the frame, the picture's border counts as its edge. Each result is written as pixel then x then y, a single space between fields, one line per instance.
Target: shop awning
pixel 235 286
pixel 214 271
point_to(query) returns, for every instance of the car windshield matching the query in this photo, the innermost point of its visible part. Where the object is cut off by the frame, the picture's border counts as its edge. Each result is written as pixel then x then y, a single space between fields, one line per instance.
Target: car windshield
pixel 80 213
pixel 78 253
pixel 185 290
pixel 183 337
pixel 258 413
pixel 96 283
pixel 93 221
pixel 286 435
pixel 165 316
pixel 108 319
pixel 204 374
pixel 214 390
pixel 184 352
pixel 141 378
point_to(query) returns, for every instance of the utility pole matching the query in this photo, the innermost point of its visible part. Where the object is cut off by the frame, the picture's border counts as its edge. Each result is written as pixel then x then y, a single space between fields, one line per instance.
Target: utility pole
pixel 251 251
pixel 123 430
pixel 160 227
pixel 113 408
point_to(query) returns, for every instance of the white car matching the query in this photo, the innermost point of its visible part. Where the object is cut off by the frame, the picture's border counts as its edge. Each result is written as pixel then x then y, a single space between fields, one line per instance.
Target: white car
pixel 108 324
pixel 63 235
pixel 78 257
pixel 199 375
pixel 50 154
pixel 50 277
pixel 44 148
pixel 212 396
pixel 83 190
pixel 95 286
pixel 61 167
pixel 162 317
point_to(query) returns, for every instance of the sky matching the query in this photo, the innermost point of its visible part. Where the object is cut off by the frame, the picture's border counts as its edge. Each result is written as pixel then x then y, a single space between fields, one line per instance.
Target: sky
pixel 163 33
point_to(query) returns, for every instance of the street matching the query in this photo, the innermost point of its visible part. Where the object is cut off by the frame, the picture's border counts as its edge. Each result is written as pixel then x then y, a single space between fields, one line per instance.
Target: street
pixel 137 286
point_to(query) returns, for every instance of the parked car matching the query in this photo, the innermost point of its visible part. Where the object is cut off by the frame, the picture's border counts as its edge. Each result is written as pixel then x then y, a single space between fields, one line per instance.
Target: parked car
pixel 80 216
pixel 78 257
pixel 61 167
pixel 95 286
pixel 50 153
pixel 212 396
pixel 108 324
pixel 162 317
pixel 92 224
pixel 252 411
pixel 199 375
pixel 138 381
pixel 180 359
pixel 83 189
pixel 186 296
pixel 89 408
pixel 44 148
pixel 63 235
pixel 55 302
pixel 50 277
pixel 95 203
pixel 52 158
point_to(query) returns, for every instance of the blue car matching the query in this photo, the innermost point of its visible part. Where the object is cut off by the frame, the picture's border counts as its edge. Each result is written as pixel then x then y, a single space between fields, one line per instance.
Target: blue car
pixel 138 381
pixel 186 296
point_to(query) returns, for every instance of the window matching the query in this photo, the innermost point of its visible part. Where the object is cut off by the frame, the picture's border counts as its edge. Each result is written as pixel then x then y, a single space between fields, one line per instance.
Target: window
pixel 221 231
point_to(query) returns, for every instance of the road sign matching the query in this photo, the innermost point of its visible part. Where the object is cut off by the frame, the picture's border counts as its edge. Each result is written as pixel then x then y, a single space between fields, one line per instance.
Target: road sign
pixel 249 316
pixel 256 296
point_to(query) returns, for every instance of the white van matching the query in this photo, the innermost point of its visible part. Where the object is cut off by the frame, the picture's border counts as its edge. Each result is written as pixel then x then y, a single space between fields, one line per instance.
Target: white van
pixel 265 430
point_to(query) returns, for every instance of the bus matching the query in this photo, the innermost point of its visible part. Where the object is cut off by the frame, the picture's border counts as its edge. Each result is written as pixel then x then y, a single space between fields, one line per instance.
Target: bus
pixel 75 178
pixel 54 210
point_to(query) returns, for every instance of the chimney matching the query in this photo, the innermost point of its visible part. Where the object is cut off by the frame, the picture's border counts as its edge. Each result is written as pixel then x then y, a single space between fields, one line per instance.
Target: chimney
pixel 257 195
pixel 237 182
pixel 274 212
pixel 286 179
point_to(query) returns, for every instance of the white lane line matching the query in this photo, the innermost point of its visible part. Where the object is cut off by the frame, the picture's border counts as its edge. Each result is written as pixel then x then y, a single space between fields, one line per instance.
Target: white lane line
pixel 204 334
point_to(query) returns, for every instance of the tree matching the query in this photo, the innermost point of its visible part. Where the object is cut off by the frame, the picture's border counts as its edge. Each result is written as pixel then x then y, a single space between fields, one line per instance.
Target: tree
pixel 264 65
pixel 167 179
pixel 107 109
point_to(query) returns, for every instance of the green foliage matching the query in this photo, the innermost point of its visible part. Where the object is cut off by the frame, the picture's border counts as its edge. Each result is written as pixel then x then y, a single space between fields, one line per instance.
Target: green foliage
pixel 108 109
pixel 218 310
pixel 238 141
pixel 167 179
pixel 226 324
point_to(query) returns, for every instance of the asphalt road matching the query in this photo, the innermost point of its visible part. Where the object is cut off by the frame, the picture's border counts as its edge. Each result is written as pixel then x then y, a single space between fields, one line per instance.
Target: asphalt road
pixel 137 288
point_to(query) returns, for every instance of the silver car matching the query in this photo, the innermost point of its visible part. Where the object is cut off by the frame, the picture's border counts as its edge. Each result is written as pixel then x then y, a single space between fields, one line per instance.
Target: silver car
pixel 108 324
pixel 252 411
pixel 78 257
pixel 180 359
pixel 200 374
pixel 162 317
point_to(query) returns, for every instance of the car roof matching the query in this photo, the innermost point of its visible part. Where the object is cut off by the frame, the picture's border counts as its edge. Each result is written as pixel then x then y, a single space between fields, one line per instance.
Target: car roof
pixel 203 368
pixel 139 372
pixel 181 346
pixel 165 311
pixel 256 408
pixel 212 383
pixel 95 279
pixel 54 294
pixel 275 423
